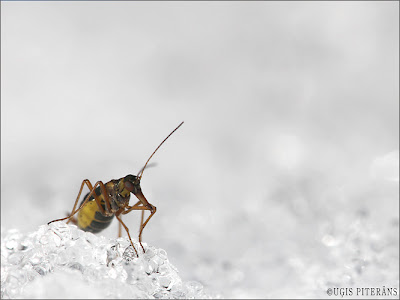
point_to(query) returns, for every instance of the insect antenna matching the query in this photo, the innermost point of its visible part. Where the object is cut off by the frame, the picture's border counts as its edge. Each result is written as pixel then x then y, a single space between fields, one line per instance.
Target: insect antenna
pixel 142 170
pixel 153 164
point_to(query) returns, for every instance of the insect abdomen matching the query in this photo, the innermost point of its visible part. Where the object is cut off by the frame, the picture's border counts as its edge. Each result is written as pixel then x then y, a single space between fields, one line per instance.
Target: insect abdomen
pixel 90 217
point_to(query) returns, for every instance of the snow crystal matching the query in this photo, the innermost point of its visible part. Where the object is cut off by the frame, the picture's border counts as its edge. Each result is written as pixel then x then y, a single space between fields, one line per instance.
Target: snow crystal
pixel 61 261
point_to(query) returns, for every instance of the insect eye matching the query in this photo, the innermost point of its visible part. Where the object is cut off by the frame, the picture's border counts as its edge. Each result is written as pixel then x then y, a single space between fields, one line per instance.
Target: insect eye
pixel 129 186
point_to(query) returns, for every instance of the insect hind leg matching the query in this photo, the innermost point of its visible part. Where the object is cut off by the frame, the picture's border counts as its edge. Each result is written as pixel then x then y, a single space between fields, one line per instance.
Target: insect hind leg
pixel 92 192
pixel 89 185
pixel 73 220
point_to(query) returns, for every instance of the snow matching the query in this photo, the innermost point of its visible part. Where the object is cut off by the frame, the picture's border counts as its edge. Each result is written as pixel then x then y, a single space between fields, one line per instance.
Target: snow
pixel 61 261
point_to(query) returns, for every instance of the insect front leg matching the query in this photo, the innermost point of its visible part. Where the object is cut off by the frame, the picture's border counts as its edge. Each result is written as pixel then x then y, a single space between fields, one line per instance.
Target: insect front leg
pixel 120 226
pixel 152 212
pixel 127 231
pixel 137 206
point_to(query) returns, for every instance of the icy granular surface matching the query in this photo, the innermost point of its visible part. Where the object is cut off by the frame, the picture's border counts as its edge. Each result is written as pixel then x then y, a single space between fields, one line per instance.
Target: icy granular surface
pixel 61 261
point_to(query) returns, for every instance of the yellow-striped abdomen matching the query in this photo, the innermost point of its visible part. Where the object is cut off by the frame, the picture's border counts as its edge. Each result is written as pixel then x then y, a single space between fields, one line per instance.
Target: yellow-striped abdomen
pixel 90 217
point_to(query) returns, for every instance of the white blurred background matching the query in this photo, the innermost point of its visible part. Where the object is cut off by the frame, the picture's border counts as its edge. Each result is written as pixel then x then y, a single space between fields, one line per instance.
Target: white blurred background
pixel 284 178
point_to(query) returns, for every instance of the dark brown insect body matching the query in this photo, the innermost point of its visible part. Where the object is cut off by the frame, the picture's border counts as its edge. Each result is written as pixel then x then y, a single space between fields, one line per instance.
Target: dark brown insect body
pixel 104 201
pixel 94 219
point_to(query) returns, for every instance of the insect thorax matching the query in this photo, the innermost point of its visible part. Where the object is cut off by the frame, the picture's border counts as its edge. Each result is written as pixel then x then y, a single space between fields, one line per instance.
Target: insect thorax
pixel 119 197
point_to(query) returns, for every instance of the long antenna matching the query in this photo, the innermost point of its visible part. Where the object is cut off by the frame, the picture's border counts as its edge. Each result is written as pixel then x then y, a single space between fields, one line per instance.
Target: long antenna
pixel 141 172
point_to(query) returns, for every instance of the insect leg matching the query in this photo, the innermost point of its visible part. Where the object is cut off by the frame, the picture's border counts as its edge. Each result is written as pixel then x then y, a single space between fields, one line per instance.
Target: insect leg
pixel 73 220
pixel 106 198
pixel 89 185
pixel 92 192
pixel 119 227
pixel 142 225
pixel 127 231
pixel 133 207
pixel 141 220
pixel 87 182
pixel 153 211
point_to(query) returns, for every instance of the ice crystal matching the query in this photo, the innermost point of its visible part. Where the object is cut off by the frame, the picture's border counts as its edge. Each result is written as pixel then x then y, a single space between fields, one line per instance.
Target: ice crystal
pixel 60 260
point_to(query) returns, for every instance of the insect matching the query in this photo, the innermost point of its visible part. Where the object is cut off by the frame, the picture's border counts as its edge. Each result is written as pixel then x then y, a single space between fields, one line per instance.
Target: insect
pixel 104 201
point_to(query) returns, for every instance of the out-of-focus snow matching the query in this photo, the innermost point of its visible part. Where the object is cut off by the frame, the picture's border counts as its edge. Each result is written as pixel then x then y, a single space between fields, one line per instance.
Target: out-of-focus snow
pixel 61 261
pixel 386 167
